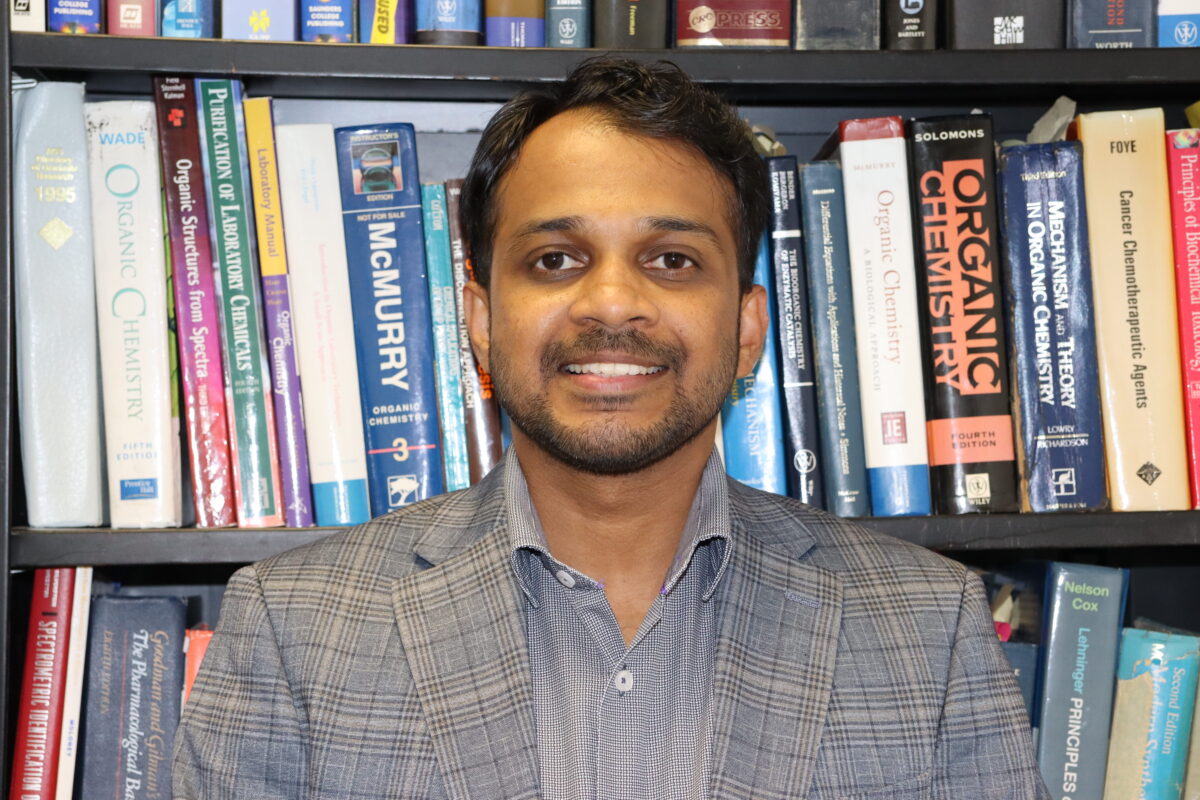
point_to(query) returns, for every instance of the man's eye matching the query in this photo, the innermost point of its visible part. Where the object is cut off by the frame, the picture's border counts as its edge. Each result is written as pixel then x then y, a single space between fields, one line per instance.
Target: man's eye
pixel 672 261
pixel 554 262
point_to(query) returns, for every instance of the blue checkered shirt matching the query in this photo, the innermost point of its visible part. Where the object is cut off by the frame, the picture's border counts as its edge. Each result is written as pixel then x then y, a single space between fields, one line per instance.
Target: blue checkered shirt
pixel 616 722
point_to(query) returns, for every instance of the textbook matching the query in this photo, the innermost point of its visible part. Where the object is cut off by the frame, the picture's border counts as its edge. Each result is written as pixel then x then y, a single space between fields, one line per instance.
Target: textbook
pixel 27 15
pixel 264 20
pixel 189 19
pixel 74 16
pixel 458 23
pixel 848 25
pixel 70 739
pixel 733 23
pixel 385 21
pixel 630 24
pixel 326 20
pixel 910 24
pixel 514 23
pixel 1183 160
pixel 568 23
pixel 1110 24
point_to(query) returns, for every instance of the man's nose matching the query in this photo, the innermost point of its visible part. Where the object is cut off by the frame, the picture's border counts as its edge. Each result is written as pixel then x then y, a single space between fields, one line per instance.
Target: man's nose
pixel 614 293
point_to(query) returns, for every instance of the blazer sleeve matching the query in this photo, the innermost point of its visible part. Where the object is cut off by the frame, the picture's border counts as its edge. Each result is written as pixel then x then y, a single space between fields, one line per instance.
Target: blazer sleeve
pixel 984 745
pixel 241 736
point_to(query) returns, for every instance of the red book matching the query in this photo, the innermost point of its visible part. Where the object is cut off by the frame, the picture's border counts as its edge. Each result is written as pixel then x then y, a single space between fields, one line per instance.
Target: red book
pixel 39 716
pixel 1183 163
pixel 733 23
pixel 195 646
pixel 132 18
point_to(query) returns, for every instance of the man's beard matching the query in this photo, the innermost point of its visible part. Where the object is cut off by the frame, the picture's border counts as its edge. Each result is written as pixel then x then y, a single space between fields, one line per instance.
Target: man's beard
pixel 609 446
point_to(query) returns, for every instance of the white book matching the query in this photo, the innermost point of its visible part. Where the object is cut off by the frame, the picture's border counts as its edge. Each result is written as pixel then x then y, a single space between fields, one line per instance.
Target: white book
pixel 315 241
pixel 68 747
pixel 58 371
pixel 144 481
pixel 27 15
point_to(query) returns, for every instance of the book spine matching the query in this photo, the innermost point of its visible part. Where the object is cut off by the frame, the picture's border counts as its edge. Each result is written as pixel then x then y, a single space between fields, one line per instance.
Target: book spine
pixel 188 19
pixel 630 24
pixel 1052 335
pixel 452 24
pixel 385 21
pixel 131 18
pixel 198 327
pixel 266 20
pixel 327 21
pixel 196 641
pixel 277 312
pixel 393 328
pixel 883 276
pixel 970 429
pixel 1083 607
pixel 568 23
pixel 731 24
pixel 1110 24
pixel 514 23
pixel 57 355
pixel 68 747
pixel 253 446
pixel 849 25
pixel 27 15
pixel 480 408
pixel 1183 160
pixel 839 406
pixel 1137 333
pixel 318 270
pixel 751 418
pixel 131 304
pixel 910 24
pixel 1005 24
pixel 75 16
pixel 40 709
pixel 798 391
pixel 1176 23
pixel 444 313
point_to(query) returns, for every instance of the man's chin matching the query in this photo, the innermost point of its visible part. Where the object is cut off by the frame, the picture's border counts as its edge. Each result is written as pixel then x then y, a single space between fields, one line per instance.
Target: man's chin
pixel 608 451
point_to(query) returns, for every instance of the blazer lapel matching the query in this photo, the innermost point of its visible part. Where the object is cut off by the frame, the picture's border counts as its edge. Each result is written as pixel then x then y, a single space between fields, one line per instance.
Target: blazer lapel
pixel 773 671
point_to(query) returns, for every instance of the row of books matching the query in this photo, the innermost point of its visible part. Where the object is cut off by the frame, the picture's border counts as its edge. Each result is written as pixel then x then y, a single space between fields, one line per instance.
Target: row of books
pixel 640 24
pixel 960 334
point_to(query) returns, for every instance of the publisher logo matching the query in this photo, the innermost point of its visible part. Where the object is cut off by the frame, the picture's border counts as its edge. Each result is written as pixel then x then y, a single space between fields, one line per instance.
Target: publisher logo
pixel 1063 481
pixel 260 21
pixel 401 489
pixel 1149 473
pixel 131 15
pixel 805 461
pixel 567 29
pixel 912 6
pixel 447 8
pixel 1185 33
pixel 21 7
pixel 702 19
pixel 1008 30
pixel 895 430
pixel 139 488
pixel 979 488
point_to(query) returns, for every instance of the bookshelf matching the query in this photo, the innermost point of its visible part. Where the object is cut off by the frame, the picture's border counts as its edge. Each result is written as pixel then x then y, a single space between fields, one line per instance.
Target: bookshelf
pixel 782 82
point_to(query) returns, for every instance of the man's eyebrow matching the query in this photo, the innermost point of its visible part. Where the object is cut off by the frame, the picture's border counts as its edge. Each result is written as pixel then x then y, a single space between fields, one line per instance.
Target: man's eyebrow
pixel 647 224
pixel 680 225
pixel 554 225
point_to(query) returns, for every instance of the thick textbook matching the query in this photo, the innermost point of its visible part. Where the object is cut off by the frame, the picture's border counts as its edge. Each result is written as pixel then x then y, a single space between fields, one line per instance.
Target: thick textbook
pixel 1176 23
pixel 131 17
pixel 1005 24
pixel 326 20
pixel 144 468
pixel 1110 24
pixel 27 15
pixel 74 16
pixel 70 739
pixel 630 24
pixel 514 23
pixel 259 20
pixel 971 457
pixel 457 23
pixel 1052 335
pixel 393 328
pixel 849 25
pixel 385 21
pixel 733 23
pixel 910 24
pixel 1137 333
pixel 189 19
pixel 568 23
pixel 57 353
pixel 1183 161
pixel 836 357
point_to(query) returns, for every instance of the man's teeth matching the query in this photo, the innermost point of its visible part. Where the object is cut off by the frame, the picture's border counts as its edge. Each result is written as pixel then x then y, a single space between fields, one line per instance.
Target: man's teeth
pixel 612 370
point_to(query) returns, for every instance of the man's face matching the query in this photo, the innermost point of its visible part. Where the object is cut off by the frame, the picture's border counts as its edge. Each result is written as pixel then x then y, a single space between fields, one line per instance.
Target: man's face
pixel 613 326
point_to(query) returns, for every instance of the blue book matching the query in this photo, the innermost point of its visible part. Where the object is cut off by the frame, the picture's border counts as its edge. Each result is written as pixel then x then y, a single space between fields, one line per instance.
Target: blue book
pixel 1023 658
pixel 752 421
pixel 844 465
pixel 798 392
pixel 444 312
pixel 568 23
pixel 1110 24
pixel 74 16
pixel 449 22
pixel 188 19
pixel 327 20
pixel 514 23
pixel 389 296
pixel 1051 324
pixel 264 20
pixel 385 21
pixel 1178 23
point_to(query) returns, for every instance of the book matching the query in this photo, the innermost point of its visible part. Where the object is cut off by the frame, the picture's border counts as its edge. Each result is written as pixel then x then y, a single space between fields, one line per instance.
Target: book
pixel 142 444
pixel 188 19
pixel 733 23
pixel 252 442
pixel 630 24
pixel 326 20
pixel 970 427
pixel 393 328
pixel 849 25
pixel 72 717
pixel 1023 658
pixel 131 17
pixel 1176 23
pixel 195 645
pixel 568 23
pixel 751 418
pixel 134 684
pixel 839 409
pixel 798 392
pixel 385 21
pixel 444 314
pixel 1152 714
pixel 1137 334
pixel 459 23
pixel 318 270
pixel 1052 337
pixel 910 24
pixel 480 408
pixel 57 355
pixel 514 23
pixel 74 16
pixel 40 708
pixel 266 20
pixel 1083 608
pixel 197 321
pixel 883 277
pixel 1110 24
pixel 1183 163
pixel 27 15
pixel 277 313
pixel 1005 25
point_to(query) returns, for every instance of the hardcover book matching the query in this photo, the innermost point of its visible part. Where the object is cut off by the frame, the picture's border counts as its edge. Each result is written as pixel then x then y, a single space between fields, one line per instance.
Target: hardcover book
pixel 630 24
pixel 131 17
pixel 733 23
pixel 72 715
pixel 265 20
pixel 910 24
pixel 1183 161
pixel 848 25
pixel 195 645
pixel 1110 24
pixel 568 23
pixel 970 427
pixel 454 24
pixel 1006 25
pixel 1052 332
pixel 327 20
pixel 1176 23
pixel 1137 334
pixel 57 356
pixel 385 21
pixel 514 23
pixel 74 16
pixel 189 19
pixel 27 15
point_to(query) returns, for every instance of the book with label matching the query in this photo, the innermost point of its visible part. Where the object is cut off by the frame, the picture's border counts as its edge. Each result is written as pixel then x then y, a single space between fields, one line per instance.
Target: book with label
pixel 1005 25
pixel 455 24
pixel 630 24
pixel 514 23
pixel 142 443
pixel 277 307
pixel 27 15
pixel 1176 22
pixel 393 328
pixel 315 241
pixel 57 352
pixel 70 739
pixel 731 23
pixel 327 21
pixel 568 23
pixel 910 24
pixel 849 25
pixel 131 17
pixel 74 16
pixel 1052 333
pixel 1137 332
pixel 888 334
pixel 385 21
pixel 259 20
pixel 250 412
pixel 839 410
pixel 798 392
pixel 189 19
pixel 1110 24
pixel 1183 161
pixel 970 427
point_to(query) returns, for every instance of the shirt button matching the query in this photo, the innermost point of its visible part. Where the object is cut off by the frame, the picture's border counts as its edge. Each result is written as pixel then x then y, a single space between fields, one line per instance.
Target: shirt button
pixel 565 578
pixel 623 681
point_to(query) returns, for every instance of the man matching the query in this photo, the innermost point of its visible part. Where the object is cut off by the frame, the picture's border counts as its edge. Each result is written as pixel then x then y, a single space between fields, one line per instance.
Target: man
pixel 606 615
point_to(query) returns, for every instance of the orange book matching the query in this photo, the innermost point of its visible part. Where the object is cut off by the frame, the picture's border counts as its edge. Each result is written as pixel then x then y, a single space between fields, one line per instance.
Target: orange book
pixel 195 646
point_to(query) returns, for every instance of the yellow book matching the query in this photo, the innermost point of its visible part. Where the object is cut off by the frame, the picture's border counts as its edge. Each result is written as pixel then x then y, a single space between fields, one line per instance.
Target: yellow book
pixel 1137 333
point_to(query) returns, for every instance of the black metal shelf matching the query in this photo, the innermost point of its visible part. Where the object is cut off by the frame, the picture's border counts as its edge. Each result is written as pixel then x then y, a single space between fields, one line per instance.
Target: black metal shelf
pixel 76 547
pixel 297 69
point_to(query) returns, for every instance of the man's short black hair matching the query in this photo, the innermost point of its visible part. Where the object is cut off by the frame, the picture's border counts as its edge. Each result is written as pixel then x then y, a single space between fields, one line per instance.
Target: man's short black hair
pixel 658 101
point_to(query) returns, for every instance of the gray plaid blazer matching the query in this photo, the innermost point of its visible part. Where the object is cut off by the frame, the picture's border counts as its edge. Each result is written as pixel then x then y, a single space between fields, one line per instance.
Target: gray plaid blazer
pixel 389 661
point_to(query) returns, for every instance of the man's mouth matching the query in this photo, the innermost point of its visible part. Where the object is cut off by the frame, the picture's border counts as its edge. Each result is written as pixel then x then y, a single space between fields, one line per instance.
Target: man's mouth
pixel 611 370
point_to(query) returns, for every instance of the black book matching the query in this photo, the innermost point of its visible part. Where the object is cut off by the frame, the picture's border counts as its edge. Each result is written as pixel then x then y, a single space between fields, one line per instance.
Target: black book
pixel 1005 24
pixel 630 24
pixel 910 24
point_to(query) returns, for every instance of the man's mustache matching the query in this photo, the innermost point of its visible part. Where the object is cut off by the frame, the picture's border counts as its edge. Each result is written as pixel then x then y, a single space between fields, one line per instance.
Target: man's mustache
pixel 629 341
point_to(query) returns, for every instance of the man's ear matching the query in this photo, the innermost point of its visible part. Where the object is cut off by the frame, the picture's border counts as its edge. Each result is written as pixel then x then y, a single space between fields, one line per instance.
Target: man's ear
pixel 478 310
pixel 752 330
